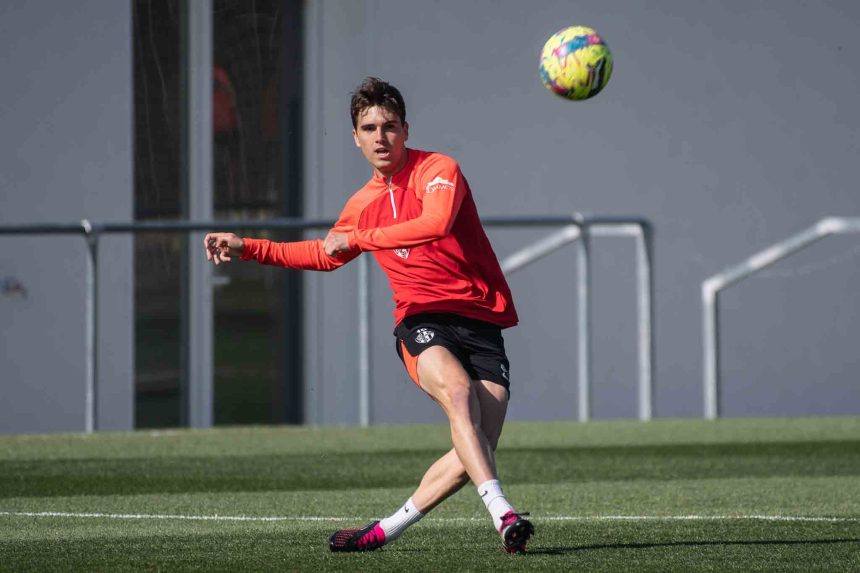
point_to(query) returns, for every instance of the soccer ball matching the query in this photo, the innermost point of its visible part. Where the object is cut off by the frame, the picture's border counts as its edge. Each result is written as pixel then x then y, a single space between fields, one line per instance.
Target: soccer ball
pixel 575 63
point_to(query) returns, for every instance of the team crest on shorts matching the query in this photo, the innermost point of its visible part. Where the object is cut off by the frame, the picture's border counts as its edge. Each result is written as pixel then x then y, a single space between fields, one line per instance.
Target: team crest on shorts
pixel 424 335
pixel 402 253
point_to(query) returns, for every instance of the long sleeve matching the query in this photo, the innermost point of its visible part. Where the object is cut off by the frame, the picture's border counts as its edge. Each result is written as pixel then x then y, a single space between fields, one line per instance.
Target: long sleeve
pixel 442 190
pixel 302 255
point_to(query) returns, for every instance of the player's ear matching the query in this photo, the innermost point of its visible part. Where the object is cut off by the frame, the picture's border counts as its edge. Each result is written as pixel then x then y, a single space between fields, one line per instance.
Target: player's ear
pixel 406 130
pixel 355 138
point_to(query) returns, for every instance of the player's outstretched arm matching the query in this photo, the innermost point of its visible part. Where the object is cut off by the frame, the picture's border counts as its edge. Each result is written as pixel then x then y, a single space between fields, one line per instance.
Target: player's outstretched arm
pixel 299 255
pixel 312 255
pixel 222 247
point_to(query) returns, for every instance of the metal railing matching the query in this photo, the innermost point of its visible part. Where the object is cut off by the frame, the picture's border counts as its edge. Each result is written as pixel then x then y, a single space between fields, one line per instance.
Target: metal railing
pixel 713 285
pixel 581 232
pixel 575 228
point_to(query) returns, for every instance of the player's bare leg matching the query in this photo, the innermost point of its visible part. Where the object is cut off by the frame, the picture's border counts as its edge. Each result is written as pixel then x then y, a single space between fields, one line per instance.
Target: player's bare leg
pixel 487 408
pixel 443 377
pixel 448 475
pixel 444 478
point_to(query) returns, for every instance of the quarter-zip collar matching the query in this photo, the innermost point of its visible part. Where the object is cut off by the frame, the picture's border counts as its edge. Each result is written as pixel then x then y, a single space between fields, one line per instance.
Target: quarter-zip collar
pixel 400 178
pixel 391 196
pixel 396 178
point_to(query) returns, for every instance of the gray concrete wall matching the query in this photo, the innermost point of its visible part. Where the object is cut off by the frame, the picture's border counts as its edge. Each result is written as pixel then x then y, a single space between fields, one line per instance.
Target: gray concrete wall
pixel 65 154
pixel 731 125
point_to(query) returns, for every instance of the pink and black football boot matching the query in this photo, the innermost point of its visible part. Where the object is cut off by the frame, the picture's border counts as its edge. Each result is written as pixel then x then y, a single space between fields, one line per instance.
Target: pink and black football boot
pixel 367 538
pixel 515 531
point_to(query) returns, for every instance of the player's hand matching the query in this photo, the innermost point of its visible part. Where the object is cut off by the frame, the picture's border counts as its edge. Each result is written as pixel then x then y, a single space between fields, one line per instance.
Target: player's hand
pixel 222 247
pixel 336 243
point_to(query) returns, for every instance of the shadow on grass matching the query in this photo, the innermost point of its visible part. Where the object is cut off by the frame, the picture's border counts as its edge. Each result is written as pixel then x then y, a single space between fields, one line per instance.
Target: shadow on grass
pixel 566 550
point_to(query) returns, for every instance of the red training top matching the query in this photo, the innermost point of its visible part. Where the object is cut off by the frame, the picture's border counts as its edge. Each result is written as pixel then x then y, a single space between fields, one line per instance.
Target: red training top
pixel 423 228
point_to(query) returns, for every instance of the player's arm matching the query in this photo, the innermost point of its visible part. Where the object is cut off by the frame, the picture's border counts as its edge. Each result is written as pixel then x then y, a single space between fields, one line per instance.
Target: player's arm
pixel 302 255
pixel 443 189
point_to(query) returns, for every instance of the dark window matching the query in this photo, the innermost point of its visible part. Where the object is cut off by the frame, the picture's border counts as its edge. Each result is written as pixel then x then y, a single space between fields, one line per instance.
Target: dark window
pixel 257 175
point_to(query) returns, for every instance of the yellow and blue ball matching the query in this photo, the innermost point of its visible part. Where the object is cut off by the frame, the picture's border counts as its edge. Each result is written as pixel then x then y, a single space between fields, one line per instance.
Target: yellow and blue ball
pixel 575 63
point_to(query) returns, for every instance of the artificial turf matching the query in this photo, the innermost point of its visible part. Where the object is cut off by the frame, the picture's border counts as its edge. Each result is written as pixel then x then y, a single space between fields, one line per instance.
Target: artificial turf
pixel 684 495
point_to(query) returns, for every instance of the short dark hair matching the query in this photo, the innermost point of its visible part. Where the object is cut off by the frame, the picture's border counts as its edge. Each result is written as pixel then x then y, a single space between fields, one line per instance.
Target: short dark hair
pixel 376 92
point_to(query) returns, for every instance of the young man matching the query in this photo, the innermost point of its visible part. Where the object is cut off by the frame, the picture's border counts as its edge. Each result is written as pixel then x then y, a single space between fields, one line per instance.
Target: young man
pixel 417 216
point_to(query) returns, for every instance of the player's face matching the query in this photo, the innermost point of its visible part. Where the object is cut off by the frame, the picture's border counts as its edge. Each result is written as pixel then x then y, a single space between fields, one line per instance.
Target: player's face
pixel 382 139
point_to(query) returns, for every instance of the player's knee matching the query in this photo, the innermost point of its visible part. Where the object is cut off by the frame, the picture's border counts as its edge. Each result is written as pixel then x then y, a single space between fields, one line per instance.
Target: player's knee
pixel 447 390
pixel 457 394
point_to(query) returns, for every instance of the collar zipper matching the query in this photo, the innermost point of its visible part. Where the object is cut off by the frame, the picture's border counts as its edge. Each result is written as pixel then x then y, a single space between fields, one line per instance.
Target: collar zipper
pixel 391 196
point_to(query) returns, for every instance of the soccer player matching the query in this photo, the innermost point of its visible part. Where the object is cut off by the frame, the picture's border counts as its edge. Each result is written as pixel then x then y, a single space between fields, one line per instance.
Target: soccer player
pixel 417 216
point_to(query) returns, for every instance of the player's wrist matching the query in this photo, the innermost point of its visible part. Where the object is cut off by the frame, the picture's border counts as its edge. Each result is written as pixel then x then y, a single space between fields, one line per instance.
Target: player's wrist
pixel 247 248
pixel 352 241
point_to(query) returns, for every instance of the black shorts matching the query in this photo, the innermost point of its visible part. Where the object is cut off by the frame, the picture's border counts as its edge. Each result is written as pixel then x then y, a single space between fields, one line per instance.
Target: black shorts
pixel 478 345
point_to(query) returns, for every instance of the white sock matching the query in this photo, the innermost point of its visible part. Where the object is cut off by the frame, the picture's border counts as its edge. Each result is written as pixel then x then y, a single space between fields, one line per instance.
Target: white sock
pixel 494 498
pixel 397 523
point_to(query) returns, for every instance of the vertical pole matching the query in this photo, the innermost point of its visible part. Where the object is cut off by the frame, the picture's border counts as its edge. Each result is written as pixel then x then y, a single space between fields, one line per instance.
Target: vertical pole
pixel 364 269
pixel 711 351
pixel 290 399
pixel 363 341
pixel 583 280
pixel 645 292
pixel 198 109
pixel 91 344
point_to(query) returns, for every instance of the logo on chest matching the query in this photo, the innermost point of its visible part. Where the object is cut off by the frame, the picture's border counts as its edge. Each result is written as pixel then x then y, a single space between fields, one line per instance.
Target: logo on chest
pixel 402 253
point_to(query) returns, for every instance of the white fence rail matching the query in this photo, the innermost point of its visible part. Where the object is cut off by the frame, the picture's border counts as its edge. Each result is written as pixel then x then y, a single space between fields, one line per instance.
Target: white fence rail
pixel 712 287
pixel 581 233
pixel 574 228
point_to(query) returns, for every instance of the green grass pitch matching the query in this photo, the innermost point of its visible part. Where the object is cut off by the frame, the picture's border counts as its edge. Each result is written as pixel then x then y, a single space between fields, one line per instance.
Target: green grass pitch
pixel 668 495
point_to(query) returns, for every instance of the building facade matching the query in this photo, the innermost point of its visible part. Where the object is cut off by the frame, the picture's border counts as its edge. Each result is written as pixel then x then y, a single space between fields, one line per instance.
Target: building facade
pixel 730 126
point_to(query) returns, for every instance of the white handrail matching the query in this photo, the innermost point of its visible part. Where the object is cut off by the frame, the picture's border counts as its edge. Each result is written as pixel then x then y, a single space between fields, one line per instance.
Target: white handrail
pixel 713 285
pixel 582 232
pixel 629 226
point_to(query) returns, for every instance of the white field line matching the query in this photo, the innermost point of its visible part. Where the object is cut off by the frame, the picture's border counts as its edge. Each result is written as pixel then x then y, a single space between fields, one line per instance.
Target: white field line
pixel 789 518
